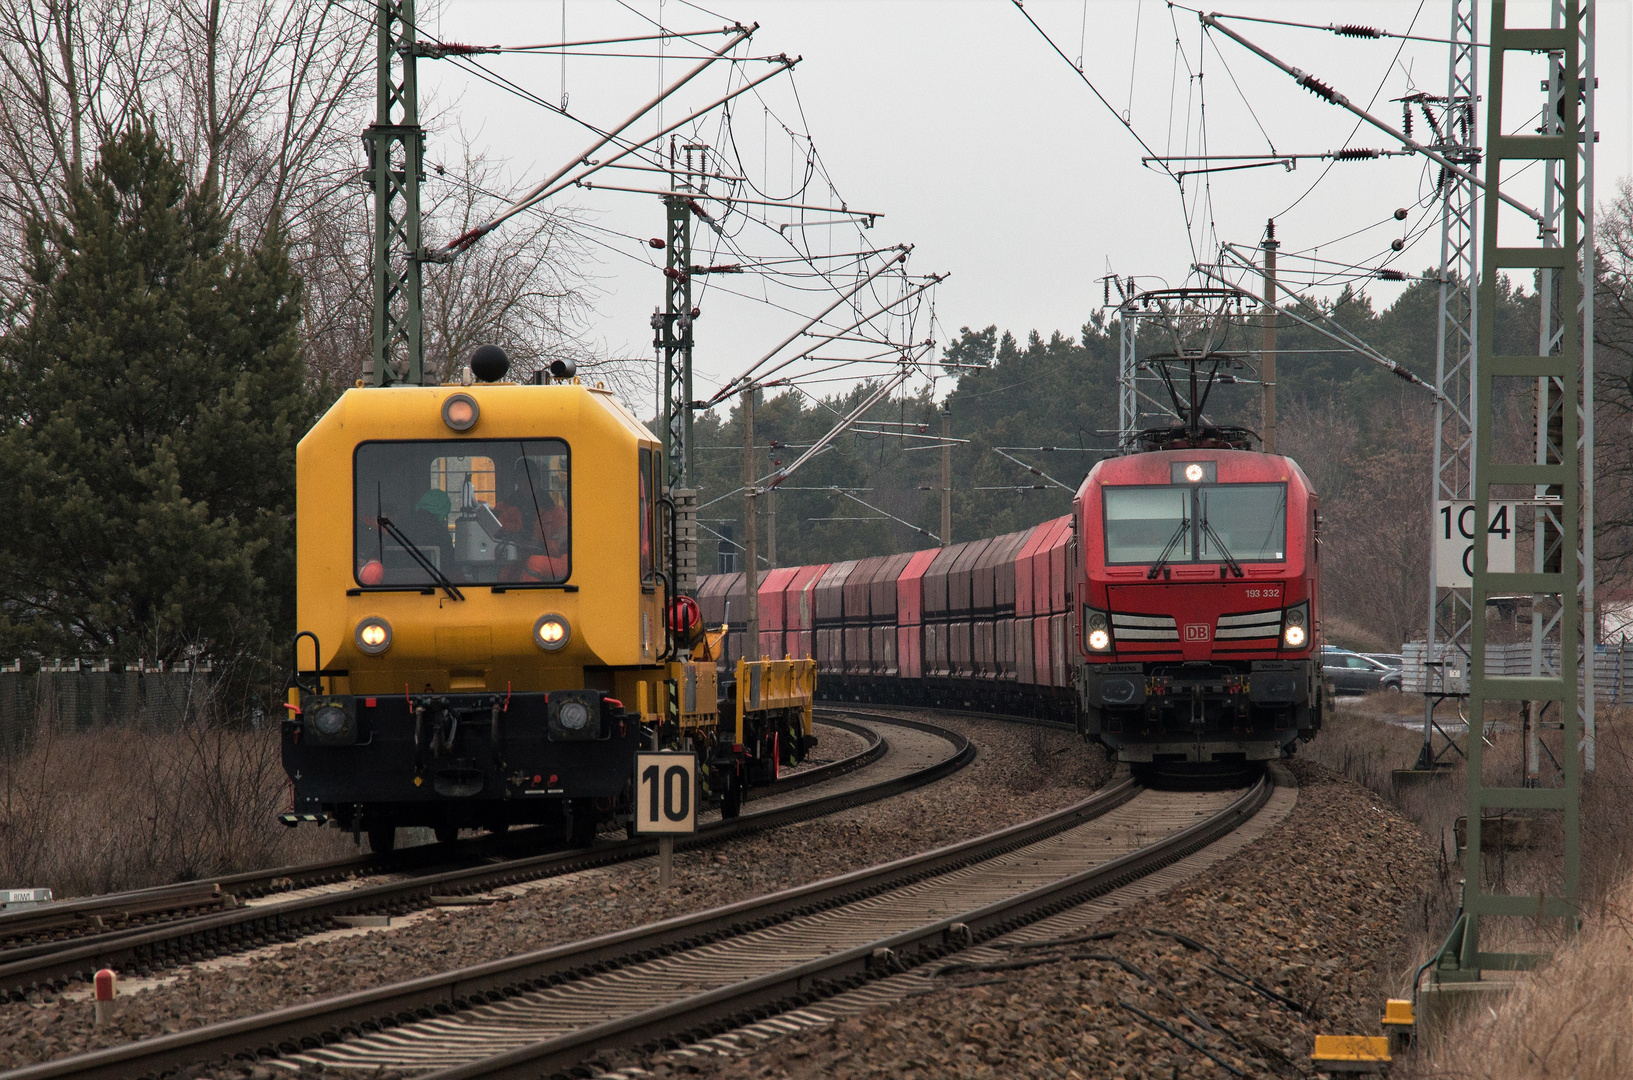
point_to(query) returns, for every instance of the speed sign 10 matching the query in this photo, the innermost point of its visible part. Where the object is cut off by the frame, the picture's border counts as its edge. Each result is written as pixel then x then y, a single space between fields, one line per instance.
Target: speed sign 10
pixel 666 792
pixel 1454 542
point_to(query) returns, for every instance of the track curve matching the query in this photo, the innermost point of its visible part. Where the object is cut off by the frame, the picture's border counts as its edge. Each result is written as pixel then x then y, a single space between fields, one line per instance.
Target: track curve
pixel 864 777
pixel 747 959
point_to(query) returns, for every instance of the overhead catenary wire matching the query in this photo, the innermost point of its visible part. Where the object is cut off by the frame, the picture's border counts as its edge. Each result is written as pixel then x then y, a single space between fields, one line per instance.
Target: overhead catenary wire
pixel 1328 94
pixel 807 263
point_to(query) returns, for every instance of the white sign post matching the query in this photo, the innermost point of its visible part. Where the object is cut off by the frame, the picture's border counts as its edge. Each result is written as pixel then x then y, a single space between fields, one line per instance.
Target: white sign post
pixel 665 801
pixel 1454 542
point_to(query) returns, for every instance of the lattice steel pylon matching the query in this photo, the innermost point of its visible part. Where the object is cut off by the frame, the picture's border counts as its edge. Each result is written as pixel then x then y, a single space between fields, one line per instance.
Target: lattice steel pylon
pixel 1128 371
pixel 396 169
pixel 672 327
pixel 1568 43
pixel 1455 132
pixel 1550 398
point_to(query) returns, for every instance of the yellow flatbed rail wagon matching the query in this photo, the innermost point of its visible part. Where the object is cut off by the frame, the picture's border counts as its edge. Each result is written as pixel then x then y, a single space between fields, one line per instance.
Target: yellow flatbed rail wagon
pixel 746 736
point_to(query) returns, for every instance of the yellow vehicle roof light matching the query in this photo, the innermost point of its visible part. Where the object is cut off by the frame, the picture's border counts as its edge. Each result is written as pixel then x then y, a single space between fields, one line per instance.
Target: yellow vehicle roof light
pixel 460 412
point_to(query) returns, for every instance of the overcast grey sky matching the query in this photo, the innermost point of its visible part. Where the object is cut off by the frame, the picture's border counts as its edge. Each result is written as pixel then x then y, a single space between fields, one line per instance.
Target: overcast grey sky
pixel 987 151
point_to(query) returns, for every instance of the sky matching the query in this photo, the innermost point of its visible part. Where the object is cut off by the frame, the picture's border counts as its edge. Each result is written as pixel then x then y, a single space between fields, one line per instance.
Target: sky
pixel 987 151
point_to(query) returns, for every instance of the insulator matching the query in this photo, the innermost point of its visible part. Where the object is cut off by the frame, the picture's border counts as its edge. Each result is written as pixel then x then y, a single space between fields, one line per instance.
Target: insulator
pixel 1107 284
pixel 1351 30
pixel 1356 154
pixel 656 243
pixel 1400 215
pixel 1317 87
pixel 1397 245
pixel 1406 118
pixel 1444 176
pixel 1389 275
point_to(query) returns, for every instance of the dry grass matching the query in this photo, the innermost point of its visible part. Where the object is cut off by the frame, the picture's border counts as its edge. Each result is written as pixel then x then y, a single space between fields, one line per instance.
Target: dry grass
pixel 1573 1018
pixel 123 808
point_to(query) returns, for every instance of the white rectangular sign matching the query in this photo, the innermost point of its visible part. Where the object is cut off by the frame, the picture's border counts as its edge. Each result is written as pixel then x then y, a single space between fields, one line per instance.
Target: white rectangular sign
pixel 666 792
pixel 1454 542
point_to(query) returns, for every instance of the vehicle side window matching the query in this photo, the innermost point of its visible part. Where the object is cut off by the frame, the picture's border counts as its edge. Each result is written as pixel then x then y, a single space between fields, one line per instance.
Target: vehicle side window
pixel 1357 662
pixel 647 519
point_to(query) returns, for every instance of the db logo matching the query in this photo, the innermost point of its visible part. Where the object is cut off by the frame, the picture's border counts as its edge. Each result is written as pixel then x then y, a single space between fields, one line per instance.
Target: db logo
pixel 1196 631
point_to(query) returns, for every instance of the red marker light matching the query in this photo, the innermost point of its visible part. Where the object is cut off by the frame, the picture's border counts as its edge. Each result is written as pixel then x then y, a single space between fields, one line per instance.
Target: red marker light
pixel 368 702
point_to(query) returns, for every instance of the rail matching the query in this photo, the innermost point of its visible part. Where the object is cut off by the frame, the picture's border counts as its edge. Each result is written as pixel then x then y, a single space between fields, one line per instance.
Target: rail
pixel 183 940
pixel 315 1024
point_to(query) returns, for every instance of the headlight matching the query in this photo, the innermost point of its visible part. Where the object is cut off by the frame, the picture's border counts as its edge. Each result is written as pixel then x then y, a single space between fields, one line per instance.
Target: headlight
pixel 330 723
pixel 551 632
pixel 374 635
pixel 330 720
pixel 460 412
pixel 574 715
pixel 1098 627
pixel 1295 626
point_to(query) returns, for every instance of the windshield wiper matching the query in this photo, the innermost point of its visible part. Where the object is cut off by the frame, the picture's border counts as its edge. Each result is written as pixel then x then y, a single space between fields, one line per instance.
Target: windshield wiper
pixel 1162 560
pixel 1207 530
pixel 419 556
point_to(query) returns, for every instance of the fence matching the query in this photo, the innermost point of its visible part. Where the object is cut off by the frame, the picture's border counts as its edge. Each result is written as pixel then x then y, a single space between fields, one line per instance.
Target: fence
pixel 1612 667
pixel 80 696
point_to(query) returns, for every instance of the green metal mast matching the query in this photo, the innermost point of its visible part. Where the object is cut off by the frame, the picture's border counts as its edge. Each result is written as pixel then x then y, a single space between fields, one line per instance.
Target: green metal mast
pixel 1563 254
pixel 672 327
pixel 677 343
pixel 396 157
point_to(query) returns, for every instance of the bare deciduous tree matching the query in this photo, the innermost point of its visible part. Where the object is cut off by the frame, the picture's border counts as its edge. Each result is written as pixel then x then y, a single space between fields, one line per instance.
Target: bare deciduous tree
pixel 264 100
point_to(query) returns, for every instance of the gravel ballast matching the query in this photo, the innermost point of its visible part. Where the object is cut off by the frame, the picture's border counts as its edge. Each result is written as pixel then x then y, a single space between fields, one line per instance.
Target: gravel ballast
pixel 1019 772
pixel 1233 973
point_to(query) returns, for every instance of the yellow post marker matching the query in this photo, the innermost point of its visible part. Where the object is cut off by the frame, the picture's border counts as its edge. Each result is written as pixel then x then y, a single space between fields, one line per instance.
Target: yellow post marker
pixel 665 802
pixel 1398 1022
pixel 1351 1053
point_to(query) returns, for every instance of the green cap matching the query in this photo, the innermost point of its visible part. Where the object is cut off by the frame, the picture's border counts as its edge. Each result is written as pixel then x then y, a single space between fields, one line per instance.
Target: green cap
pixel 435 502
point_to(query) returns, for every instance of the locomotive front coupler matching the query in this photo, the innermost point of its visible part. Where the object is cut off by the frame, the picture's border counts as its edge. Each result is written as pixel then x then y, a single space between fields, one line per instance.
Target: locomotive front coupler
pixel 437 721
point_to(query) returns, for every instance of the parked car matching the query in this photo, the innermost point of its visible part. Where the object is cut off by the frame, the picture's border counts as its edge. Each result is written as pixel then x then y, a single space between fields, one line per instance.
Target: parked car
pixel 1353 673
pixel 1389 659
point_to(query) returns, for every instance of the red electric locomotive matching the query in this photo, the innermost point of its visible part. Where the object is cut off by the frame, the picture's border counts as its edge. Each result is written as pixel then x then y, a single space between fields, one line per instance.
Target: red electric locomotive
pixel 1198 606
pixel 1175 614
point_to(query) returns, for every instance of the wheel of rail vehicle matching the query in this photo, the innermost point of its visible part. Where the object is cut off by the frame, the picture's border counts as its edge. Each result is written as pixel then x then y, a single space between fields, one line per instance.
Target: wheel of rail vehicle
pixel 446 834
pixel 731 794
pixel 584 825
pixel 382 839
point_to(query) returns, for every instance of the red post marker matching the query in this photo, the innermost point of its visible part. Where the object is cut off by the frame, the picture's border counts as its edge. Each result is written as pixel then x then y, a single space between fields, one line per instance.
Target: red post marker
pixel 104 995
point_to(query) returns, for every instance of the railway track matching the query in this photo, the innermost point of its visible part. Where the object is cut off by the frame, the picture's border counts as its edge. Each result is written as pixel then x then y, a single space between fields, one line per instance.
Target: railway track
pixel 695 976
pixel 143 950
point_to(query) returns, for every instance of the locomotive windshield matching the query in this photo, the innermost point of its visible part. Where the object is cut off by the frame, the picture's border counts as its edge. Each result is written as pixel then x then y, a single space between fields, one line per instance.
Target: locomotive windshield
pixel 478 512
pixel 1201 523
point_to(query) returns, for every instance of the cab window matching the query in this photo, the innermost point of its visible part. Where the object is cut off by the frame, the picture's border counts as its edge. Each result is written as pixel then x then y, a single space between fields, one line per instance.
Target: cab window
pixel 480 512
